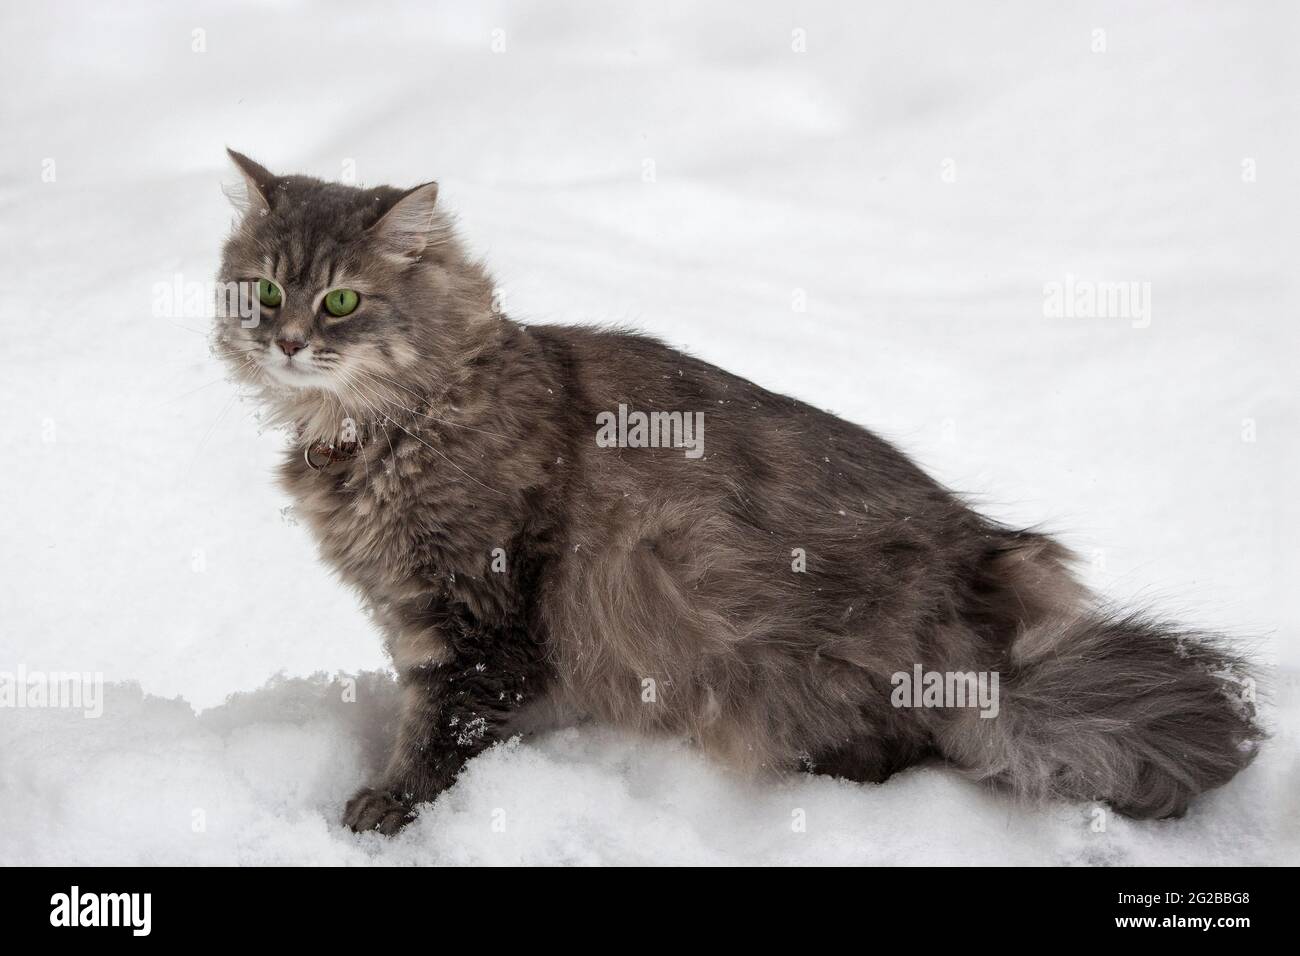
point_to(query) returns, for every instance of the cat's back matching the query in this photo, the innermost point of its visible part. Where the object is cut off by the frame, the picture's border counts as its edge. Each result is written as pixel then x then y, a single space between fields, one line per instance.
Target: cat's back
pixel 751 436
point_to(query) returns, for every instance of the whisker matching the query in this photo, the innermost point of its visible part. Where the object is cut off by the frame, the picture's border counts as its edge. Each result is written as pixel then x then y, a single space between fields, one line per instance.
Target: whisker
pixel 365 459
pixel 187 328
pixel 383 420
pixel 438 453
pixel 225 352
pixel 410 391
pixel 431 417
pixel 200 388
pixel 211 428
pixel 381 424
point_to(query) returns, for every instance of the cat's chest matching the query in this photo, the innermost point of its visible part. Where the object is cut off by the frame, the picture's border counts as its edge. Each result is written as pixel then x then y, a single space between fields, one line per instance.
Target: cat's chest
pixel 394 527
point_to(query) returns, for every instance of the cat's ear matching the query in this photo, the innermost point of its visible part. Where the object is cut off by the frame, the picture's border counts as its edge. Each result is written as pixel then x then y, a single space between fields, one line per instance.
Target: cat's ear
pixel 412 224
pixel 253 193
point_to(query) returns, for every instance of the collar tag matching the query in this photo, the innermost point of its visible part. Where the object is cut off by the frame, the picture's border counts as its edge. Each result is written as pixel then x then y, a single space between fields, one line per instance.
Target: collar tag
pixel 320 455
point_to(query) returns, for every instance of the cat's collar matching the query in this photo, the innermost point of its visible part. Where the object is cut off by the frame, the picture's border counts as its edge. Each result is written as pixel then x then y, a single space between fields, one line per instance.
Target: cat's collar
pixel 320 455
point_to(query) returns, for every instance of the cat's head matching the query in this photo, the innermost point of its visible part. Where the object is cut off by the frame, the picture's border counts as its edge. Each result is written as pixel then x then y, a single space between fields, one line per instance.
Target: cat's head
pixel 354 288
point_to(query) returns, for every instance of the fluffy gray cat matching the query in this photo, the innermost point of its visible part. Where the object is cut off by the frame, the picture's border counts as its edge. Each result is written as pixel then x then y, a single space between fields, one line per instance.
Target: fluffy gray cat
pixel 543 537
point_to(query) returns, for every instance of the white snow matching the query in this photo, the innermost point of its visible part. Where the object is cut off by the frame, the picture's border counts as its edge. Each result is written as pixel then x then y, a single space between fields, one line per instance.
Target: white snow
pixel 145 541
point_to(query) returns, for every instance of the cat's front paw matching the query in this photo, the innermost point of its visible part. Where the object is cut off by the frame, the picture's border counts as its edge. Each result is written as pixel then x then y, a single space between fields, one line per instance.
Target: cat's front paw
pixel 377 809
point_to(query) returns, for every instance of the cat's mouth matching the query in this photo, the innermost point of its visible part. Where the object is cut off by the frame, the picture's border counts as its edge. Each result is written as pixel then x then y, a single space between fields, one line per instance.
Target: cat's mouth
pixel 295 374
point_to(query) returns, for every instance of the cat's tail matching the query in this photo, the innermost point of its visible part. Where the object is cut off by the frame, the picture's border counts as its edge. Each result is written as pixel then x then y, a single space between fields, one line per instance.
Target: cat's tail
pixel 1122 709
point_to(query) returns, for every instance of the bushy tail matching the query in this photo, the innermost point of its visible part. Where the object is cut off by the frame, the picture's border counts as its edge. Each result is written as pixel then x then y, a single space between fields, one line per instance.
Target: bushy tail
pixel 1121 709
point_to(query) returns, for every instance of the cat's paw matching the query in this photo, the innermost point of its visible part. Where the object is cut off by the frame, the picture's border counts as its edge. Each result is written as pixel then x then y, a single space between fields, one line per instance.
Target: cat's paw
pixel 377 809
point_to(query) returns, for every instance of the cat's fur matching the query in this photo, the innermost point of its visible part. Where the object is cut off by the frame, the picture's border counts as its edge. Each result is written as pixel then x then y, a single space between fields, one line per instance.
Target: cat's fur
pixel 619 567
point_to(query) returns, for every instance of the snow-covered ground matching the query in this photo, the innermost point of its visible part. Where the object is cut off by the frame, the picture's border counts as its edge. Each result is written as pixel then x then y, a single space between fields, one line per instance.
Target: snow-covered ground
pixel 859 204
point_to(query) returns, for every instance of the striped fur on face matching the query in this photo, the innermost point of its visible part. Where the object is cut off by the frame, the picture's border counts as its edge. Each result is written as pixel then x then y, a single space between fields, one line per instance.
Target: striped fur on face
pixel 418 297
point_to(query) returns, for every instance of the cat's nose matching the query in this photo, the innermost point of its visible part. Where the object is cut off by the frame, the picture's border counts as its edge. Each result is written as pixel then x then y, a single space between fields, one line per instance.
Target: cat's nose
pixel 290 346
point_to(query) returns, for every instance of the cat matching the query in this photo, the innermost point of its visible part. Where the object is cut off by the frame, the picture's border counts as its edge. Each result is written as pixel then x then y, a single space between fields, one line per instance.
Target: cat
pixel 762 598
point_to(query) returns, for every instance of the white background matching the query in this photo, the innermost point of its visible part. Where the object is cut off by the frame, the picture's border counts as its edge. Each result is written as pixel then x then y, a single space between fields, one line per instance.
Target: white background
pixel 918 174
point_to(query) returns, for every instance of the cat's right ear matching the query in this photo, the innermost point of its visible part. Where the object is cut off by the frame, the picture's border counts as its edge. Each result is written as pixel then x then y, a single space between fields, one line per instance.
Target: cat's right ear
pixel 253 193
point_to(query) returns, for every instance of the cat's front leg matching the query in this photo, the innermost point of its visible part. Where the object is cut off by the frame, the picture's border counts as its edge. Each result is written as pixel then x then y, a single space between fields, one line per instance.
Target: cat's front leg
pixel 450 712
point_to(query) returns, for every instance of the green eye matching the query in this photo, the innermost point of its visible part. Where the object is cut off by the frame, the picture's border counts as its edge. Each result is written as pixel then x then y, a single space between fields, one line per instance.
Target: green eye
pixel 268 293
pixel 341 302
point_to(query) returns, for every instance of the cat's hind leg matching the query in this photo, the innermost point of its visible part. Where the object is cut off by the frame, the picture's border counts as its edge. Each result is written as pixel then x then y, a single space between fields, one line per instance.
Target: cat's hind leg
pixel 870 758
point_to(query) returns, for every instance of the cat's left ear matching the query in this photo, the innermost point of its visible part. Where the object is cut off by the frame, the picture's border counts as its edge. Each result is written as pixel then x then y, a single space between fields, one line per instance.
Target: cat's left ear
pixel 412 224
pixel 255 196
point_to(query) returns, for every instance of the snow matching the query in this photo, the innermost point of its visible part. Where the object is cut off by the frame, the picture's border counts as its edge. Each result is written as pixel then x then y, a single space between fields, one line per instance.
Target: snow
pixel 262 778
pixel 915 178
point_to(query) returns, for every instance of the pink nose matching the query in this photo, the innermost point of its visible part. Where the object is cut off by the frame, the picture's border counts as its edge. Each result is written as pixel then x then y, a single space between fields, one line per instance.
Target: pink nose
pixel 290 346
